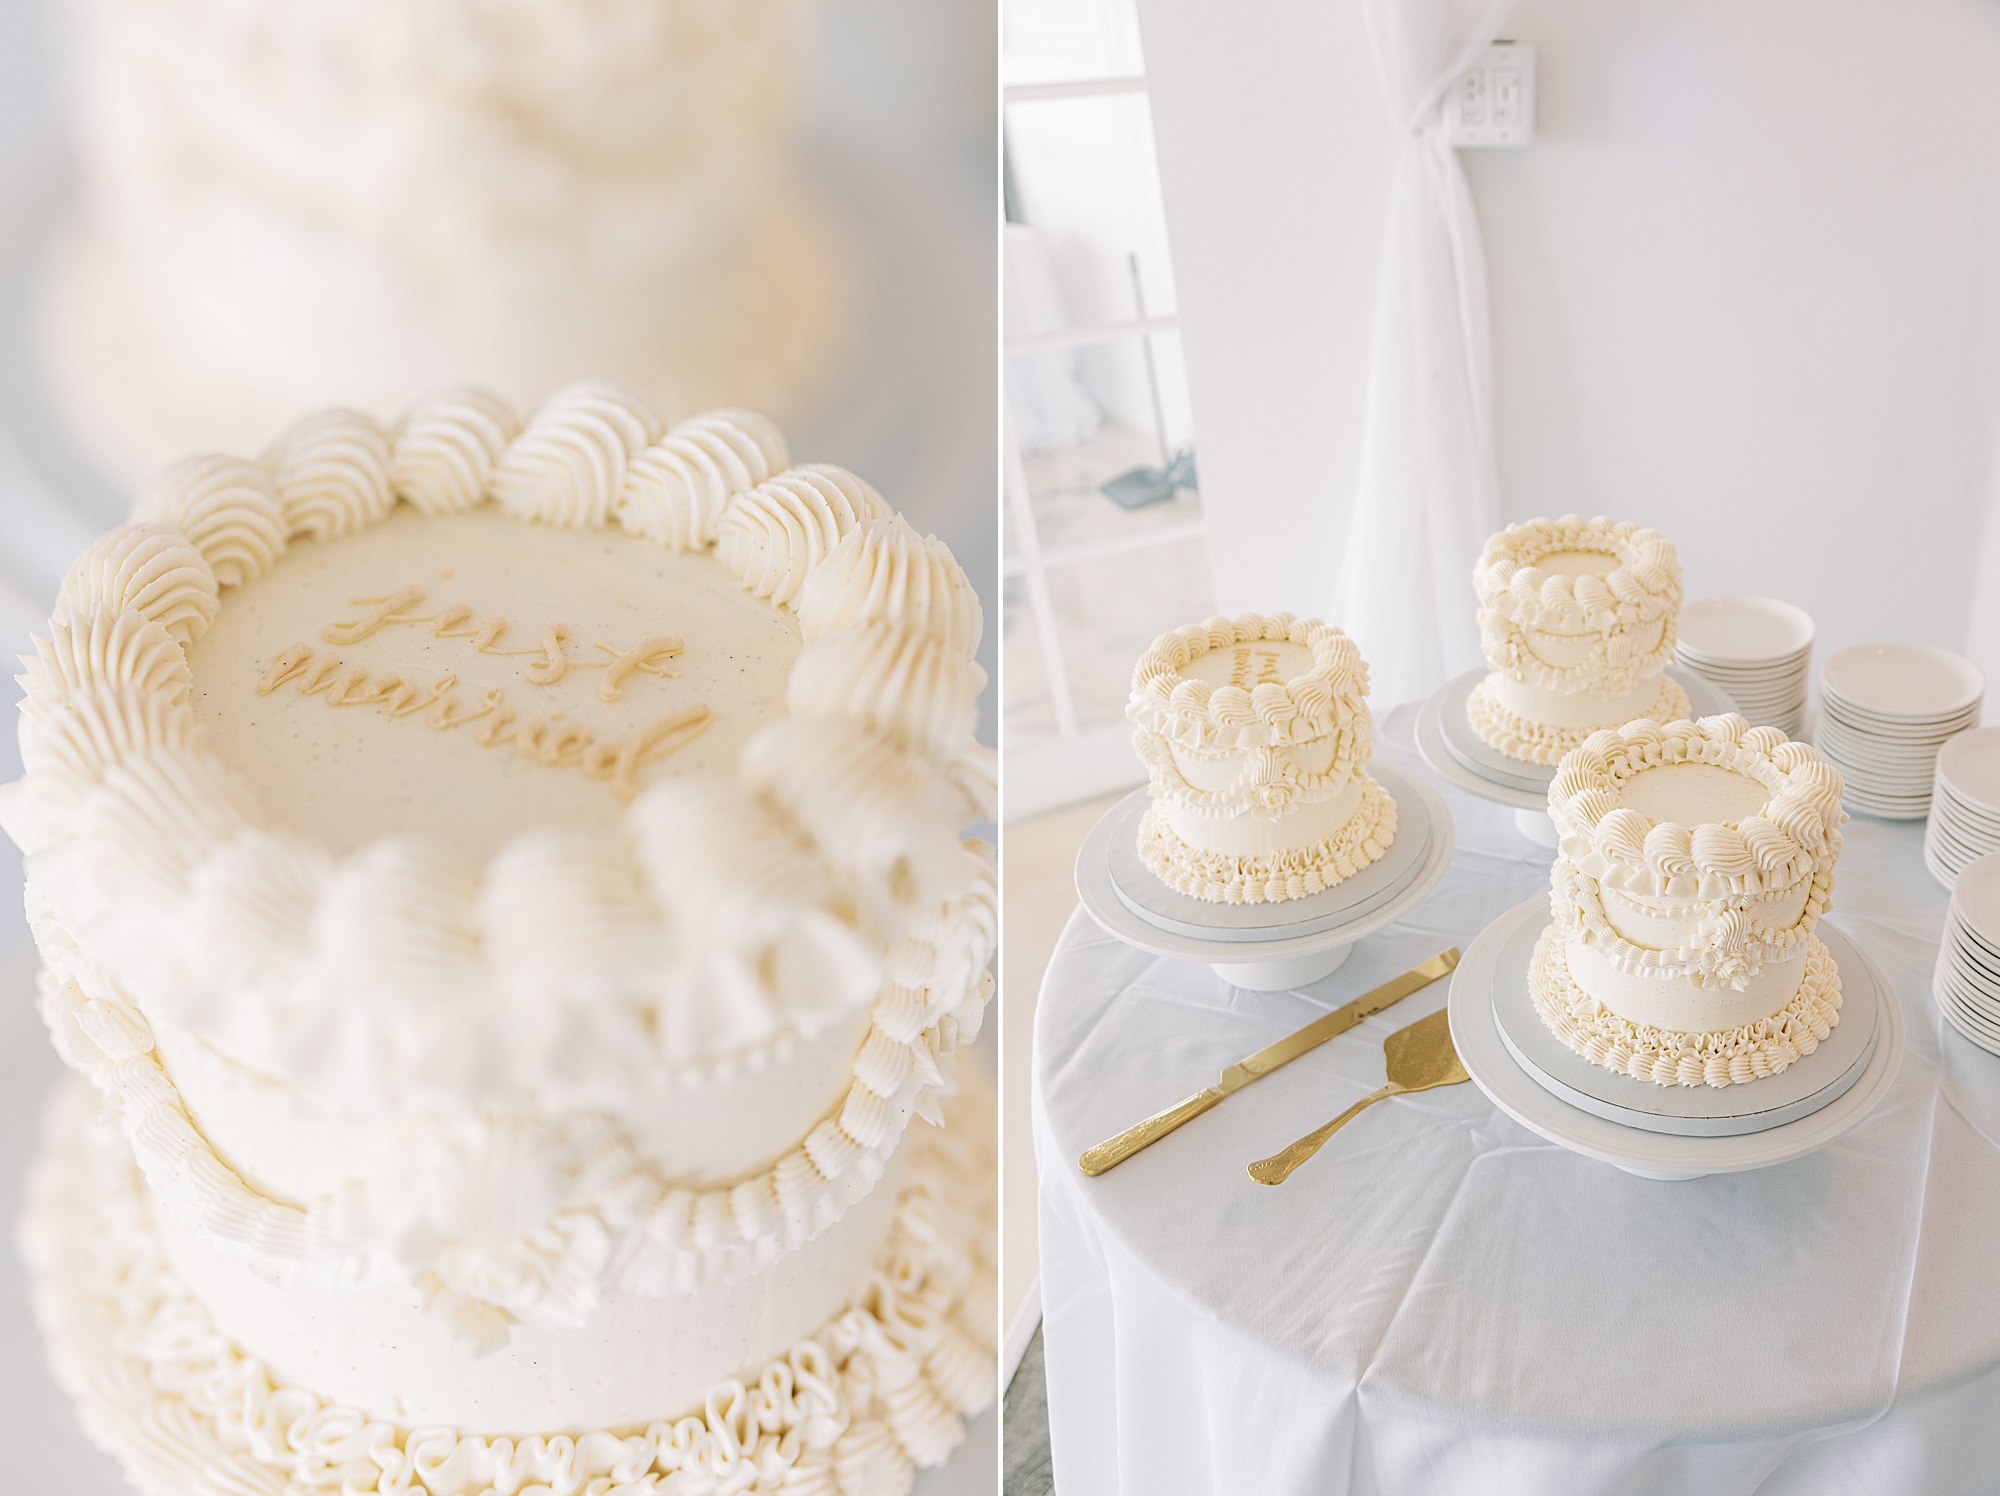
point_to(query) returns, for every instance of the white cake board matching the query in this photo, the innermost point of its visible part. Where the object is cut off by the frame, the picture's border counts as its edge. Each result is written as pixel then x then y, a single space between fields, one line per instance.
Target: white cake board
pixel 1655 1155
pixel 1516 787
pixel 1145 895
pixel 1277 964
pixel 1803 1087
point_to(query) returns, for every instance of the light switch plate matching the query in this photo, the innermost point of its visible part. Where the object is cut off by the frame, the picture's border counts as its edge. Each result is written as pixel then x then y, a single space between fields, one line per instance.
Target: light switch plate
pixel 1492 103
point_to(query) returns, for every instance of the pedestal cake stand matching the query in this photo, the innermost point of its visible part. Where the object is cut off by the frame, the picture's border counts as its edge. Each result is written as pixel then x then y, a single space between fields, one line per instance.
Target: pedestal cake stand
pixel 1449 745
pixel 1264 947
pixel 1668 1132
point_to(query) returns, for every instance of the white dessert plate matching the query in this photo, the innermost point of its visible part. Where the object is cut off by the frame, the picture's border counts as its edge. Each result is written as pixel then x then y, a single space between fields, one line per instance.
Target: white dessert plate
pixel 1976 900
pixel 1970 767
pixel 1146 896
pixel 1966 1031
pixel 1901 681
pixel 1810 1082
pixel 1653 1155
pixel 1744 629
pixel 1269 965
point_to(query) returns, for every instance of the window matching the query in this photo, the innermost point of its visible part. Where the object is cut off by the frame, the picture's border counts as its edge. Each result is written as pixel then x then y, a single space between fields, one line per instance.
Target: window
pixel 1105 544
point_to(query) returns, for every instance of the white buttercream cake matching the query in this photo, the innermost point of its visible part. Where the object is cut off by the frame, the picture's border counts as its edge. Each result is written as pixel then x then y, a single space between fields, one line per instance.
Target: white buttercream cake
pixel 1577 619
pixel 1255 734
pixel 1696 859
pixel 505 881
pixel 283 207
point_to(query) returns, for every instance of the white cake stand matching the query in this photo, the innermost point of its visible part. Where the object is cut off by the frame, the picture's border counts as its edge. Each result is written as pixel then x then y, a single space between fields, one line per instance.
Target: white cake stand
pixel 1275 959
pixel 1449 745
pixel 1659 1155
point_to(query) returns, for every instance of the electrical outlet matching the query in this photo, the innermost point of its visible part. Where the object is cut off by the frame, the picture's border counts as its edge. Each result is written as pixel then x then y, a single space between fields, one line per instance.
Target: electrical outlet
pixel 1493 101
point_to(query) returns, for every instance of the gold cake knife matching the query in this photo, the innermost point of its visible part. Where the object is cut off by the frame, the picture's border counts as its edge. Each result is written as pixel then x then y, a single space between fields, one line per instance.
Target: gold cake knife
pixel 1114 1151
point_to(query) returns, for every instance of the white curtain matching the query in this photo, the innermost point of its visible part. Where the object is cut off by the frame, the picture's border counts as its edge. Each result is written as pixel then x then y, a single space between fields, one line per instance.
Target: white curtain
pixel 1427 496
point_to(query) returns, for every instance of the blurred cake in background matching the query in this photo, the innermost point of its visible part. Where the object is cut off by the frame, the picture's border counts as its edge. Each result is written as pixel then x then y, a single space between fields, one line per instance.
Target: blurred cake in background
pixel 1577 618
pixel 286 206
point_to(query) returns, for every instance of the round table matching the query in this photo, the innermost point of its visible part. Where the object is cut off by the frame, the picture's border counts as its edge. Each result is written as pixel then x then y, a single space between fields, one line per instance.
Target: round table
pixel 1441 1302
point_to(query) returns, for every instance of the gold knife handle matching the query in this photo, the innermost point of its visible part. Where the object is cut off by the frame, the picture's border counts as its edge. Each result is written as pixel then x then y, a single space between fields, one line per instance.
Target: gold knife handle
pixel 1114 1151
pixel 1278 1167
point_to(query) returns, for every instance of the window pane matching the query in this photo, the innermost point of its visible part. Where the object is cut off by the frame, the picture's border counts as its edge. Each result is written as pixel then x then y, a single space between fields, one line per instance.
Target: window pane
pixel 1086 420
pixel 1084 178
pixel 1108 612
pixel 1028 712
pixel 1062 41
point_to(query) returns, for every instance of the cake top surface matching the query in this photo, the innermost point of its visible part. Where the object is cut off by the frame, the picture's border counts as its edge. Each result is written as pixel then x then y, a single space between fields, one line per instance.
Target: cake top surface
pixel 1250 681
pixel 1572 574
pixel 468 678
pixel 1696 809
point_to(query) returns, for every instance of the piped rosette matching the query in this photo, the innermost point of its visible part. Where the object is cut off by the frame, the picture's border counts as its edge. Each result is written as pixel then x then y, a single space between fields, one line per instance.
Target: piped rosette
pixel 1577 620
pixel 1255 735
pixel 1695 860
pixel 818 910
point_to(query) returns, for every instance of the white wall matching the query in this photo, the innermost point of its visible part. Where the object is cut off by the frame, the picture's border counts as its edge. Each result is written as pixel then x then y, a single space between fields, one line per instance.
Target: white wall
pixel 1746 288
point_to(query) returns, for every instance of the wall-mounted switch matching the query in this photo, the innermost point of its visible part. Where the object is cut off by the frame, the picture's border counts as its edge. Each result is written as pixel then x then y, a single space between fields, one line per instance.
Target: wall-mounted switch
pixel 1493 101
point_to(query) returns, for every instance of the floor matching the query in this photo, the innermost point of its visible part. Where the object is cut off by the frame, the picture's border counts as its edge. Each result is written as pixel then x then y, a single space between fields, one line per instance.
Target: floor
pixel 1025 1466
pixel 1039 892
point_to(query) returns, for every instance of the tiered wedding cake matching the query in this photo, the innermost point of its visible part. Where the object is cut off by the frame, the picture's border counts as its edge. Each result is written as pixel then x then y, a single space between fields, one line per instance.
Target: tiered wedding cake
pixel 1696 859
pixel 1577 620
pixel 504 883
pixel 1255 731
pixel 287 206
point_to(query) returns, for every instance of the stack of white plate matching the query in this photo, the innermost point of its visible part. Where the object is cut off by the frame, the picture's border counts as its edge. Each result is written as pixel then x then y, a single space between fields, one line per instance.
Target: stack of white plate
pixel 1965 804
pixel 1884 711
pixel 1967 981
pixel 1757 649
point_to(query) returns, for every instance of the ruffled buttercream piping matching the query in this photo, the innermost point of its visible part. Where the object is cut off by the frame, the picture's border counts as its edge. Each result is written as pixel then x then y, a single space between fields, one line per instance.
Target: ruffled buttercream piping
pixel 885 572
pixel 870 809
pixel 1629 613
pixel 569 466
pixel 1327 699
pixel 69 747
pixel 1541 743
pixel 1671 1058
pixel 911 688
pixel 126 651
pixel 331 474
pixel 675 491
pixel 1294 873
pixel 885 1385
pixel 147 569
pixel 771 537
pixel 228 509
pixel 1269 781
pixel 1782 844
pixel 1731 945
pixel 446 448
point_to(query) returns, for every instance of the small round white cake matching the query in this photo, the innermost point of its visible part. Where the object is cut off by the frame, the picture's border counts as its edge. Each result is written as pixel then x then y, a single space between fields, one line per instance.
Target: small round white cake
pixel 1577 620
pixel 1695 860
pixel 1255 732
pixel 505 881
pixel 284 207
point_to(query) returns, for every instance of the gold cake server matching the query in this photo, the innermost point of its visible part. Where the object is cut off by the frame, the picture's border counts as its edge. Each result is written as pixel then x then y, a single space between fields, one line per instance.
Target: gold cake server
pixel 1419 1057
pixel 1114 1151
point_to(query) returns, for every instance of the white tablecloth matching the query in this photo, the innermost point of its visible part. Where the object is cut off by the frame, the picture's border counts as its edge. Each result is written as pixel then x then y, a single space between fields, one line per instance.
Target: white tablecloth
pixel 1441 1302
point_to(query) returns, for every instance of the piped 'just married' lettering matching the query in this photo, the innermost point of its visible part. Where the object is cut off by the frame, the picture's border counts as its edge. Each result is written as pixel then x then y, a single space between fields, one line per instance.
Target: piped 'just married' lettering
pixel 551 740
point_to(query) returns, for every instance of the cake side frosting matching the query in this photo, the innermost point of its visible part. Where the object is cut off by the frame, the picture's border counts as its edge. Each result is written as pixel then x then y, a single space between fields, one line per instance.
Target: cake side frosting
pixel 821 889
pixel 1695 860
pixel 885 1384
pixel 1546 743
